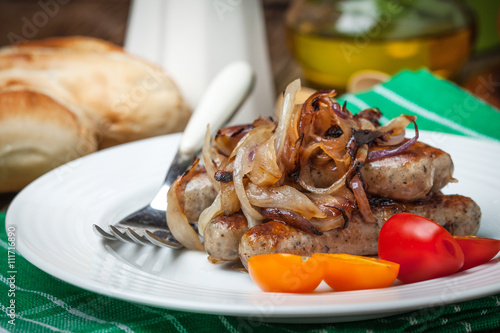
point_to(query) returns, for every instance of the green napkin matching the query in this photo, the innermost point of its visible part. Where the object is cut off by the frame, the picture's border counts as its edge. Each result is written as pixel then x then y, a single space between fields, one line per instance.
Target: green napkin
pixel 42 303
pixel 438 104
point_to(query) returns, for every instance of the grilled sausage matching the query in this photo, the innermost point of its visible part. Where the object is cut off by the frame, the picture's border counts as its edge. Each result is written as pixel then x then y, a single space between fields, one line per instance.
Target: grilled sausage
pixel 198 194
pixel 411 175
pixel 458 214
pixel 222 236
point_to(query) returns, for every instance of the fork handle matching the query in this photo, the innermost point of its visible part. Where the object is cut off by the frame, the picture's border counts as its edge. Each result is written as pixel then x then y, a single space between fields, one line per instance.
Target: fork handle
pixel 222 99
pixel 224 96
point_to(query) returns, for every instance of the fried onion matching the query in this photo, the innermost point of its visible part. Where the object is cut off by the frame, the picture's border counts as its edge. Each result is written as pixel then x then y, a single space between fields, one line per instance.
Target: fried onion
pixel 270 170
pixel 177 220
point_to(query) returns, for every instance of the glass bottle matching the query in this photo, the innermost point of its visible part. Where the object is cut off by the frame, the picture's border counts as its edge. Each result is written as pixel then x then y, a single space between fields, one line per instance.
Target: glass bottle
pixel 336 41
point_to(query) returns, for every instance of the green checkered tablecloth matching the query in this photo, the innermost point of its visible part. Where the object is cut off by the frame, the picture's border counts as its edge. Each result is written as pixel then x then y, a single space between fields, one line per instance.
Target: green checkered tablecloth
pixel 39 302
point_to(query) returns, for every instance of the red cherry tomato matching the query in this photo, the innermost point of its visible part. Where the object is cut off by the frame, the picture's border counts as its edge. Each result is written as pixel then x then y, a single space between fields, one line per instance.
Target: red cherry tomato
pixel 477 250
pixel 423 249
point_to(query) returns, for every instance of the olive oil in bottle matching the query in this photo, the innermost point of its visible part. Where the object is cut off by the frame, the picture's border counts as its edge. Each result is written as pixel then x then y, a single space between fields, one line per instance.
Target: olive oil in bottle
pixel 334 41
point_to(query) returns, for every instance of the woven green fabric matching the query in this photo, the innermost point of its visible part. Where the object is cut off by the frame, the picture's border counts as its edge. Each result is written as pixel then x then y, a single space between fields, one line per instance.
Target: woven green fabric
pixel 43 303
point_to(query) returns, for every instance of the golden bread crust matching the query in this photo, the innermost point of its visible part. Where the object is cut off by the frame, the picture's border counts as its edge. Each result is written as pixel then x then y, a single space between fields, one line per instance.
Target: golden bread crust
pixel 114 97
pixel 38 134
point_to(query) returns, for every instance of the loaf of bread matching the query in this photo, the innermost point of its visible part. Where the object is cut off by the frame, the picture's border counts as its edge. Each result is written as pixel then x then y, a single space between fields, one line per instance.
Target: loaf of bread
pixel 37 134
pixel 62 98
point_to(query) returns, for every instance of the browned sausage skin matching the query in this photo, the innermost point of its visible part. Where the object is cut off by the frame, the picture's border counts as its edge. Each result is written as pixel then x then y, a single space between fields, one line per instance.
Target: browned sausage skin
pixel 410 175
pixel 458 214
pixel 222 236
pixel 197 194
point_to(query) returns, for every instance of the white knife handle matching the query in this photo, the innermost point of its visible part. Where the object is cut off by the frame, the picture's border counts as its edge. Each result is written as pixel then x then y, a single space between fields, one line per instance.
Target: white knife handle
pixel 218 104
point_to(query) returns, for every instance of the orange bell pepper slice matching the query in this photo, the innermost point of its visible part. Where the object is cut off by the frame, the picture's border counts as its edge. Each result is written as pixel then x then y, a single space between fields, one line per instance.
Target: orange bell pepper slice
pixel 343 272
pixel 287 273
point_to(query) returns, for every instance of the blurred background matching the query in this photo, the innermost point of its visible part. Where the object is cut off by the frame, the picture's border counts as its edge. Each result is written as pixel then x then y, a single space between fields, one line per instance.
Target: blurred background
pixel 342 44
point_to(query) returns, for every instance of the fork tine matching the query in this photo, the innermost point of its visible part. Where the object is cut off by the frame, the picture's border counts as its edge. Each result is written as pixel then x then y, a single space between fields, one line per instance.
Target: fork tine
pixel 103 233
pixel 137 238
pixel 120 235
pixel 161 242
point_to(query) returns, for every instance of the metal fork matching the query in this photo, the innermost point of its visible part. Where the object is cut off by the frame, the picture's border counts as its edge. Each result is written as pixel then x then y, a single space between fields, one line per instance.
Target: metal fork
pixel 224 96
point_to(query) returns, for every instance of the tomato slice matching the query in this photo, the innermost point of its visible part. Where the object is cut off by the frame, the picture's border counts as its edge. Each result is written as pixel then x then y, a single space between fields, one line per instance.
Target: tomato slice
pixel 423 248
pixel 477 250
pixel 287 273
pixel 343 272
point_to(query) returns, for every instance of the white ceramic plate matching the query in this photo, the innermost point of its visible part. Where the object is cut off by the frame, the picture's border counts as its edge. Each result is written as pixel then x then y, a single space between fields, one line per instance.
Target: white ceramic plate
pixel 54 215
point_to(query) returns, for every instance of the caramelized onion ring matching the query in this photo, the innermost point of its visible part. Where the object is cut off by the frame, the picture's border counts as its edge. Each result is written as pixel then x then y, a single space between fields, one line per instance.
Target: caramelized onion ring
pixel 361 199
pixel 383 153
pixel 177 220
pixel 273 164
pixel 290 218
